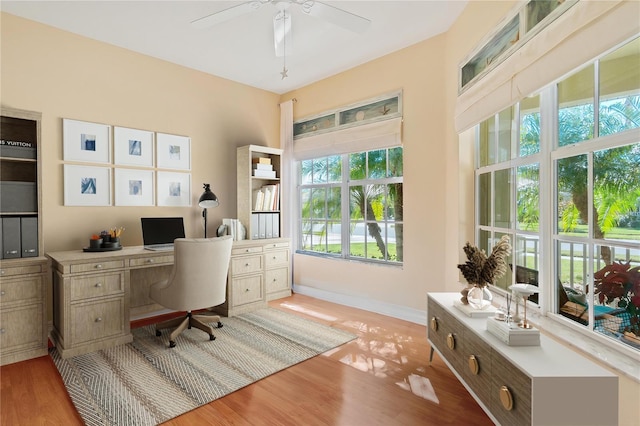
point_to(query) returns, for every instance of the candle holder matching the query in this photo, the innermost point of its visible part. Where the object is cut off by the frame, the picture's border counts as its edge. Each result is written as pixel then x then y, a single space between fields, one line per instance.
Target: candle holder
pixel 524 291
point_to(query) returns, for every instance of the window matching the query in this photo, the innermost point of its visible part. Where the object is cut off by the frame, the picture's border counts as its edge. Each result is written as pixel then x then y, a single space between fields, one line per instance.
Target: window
pixel 351 206
pixel 579 138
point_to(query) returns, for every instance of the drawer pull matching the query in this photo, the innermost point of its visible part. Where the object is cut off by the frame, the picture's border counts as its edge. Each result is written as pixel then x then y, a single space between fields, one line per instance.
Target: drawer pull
pixel 247 251
pixel 98 285
pixel 2 331
pixel 274 258
pixel 274 280
pixel 505 398
pixel 98 266
pixel 30 251
pixel 1 271
pixel 99 319
pixel 246 264
pixel 2 293
pixel 451 341
pixel 473 365
pixel 11 252
pixel 246 290
pixel 434 324
pixel 149 260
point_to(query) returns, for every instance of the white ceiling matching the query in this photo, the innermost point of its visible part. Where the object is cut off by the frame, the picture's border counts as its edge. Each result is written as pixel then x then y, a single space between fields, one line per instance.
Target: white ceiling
pixel 242 49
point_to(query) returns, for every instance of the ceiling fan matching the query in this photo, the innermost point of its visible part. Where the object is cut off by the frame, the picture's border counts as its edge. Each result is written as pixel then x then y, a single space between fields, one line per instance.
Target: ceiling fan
pixel 282 19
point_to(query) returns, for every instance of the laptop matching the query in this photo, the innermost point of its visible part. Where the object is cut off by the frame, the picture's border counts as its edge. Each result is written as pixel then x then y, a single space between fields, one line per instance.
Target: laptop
pixel 158 233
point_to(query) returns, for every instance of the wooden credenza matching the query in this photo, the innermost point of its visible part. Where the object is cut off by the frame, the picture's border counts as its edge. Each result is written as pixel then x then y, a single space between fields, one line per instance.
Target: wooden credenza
pixel 520 385
pixel 95 294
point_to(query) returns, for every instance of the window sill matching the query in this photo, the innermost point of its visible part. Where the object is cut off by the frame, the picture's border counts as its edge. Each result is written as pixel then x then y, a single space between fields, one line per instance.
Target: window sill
pixel 616 356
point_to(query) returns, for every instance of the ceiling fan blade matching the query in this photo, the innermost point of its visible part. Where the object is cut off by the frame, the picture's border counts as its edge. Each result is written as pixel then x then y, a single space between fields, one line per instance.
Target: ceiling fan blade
pixel 335 15
pixel 228 14
pixel 282 36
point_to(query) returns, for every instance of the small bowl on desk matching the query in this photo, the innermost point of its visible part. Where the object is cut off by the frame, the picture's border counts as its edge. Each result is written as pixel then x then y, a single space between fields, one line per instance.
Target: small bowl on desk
pixel 95 244
pixel 115 242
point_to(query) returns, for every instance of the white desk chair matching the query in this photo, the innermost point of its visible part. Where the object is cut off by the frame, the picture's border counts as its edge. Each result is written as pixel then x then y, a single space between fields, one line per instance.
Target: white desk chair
pixel 198 281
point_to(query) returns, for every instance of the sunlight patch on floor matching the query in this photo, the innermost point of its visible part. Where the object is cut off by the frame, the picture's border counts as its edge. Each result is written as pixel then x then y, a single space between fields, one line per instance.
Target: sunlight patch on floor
pixel 309 312
pixel 422 387
pixel 375 366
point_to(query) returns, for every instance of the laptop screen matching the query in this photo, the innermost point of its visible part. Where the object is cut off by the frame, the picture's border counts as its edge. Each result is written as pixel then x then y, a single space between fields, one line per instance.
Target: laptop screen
pixel 161 230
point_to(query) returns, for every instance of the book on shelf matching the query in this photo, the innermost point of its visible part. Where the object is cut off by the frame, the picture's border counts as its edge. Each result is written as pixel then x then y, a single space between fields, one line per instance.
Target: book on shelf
pixel 267 198
pixel 270 174
pixel 234 228
pixel 261 160
pixel 259 166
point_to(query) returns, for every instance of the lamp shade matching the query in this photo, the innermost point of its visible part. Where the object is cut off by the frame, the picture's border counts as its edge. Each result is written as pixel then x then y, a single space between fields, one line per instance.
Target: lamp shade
pixel 208 199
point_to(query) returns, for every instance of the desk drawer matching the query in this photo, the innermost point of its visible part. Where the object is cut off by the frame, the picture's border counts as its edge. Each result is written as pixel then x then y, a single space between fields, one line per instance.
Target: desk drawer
pixel 476 365
pixel 96 266
pixel 20 270
pixel 93 321
pixel 246 250
pixel 276 279
pixel 246 290
pixel 273 258
pixel 245 265
pixel 21 328
pixel 276 246
pixel 96 286
pixel 151 261
pixel 21 290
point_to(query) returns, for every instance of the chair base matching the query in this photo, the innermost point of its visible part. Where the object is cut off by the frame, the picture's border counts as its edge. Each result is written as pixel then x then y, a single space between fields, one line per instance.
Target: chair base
pixel 200 321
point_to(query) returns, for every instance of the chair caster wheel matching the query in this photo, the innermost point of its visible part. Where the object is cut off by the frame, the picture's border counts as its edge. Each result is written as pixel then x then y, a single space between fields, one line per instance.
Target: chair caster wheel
pixel 212 337
pixel 172 344
pixel 219 324
pixel 158 333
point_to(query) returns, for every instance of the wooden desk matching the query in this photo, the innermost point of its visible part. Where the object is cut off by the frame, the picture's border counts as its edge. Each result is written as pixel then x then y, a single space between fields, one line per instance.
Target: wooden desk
pixel 96 293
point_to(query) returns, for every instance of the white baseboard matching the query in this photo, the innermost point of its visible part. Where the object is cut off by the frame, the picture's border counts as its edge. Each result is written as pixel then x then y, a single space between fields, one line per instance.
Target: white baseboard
pixel 396 311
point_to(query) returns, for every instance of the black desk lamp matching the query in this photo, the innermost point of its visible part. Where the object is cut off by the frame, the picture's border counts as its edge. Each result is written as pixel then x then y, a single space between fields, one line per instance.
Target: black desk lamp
pixel 207 200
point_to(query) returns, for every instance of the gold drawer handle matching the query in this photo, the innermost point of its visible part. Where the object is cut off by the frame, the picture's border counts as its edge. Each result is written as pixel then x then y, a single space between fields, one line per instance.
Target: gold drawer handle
pixel 451 341
pixel 434 324
pixel 98 285
pixel 99 319
pixel 2 271
pixel 473 364
pixel 506 398
pixel 2 293
pixel 99 266
pixel 150 260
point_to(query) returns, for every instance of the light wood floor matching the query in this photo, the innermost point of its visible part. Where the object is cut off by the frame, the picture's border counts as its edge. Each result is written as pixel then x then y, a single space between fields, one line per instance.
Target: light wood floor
pixel 381 378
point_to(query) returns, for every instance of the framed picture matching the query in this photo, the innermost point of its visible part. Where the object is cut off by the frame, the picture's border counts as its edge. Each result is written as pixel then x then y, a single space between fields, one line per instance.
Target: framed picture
pixel 132 147
pixel 134 187
pixel 174 152
pixel 86 142
pixel 87 186
pixel 174 189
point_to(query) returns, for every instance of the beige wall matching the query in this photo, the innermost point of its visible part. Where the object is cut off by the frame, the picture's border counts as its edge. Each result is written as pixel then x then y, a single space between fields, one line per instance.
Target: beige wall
pixel 427 74
pixel 63 75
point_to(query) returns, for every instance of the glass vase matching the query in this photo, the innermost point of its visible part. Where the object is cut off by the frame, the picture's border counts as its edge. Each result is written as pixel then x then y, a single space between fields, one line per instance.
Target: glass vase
pixel 479 297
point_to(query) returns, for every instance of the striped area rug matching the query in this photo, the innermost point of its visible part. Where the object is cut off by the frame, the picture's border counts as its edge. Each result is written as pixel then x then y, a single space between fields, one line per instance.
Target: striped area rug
pixel 146 383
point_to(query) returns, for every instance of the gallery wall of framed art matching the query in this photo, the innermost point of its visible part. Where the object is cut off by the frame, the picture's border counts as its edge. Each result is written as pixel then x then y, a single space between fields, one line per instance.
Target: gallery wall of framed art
pixel 107 165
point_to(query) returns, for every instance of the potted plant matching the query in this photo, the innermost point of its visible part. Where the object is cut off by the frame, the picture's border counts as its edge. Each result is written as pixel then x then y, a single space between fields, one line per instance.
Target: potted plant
pixel 619 284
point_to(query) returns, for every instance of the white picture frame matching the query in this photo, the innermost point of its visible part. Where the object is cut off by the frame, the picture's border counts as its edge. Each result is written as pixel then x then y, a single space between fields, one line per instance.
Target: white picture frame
pixel 133 147
pixel 174 189
pixel 134 187
pixel 87 185
pixel 86 142
pixel 173 152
